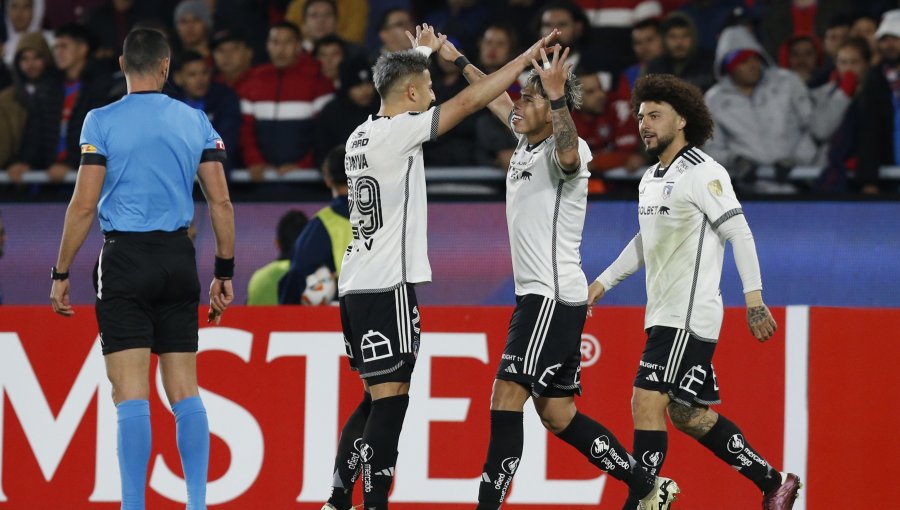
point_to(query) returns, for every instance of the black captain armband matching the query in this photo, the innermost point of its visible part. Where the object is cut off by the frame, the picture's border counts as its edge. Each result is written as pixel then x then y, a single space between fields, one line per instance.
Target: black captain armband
pixel 224 268
pixel 213 155
pixel 557 104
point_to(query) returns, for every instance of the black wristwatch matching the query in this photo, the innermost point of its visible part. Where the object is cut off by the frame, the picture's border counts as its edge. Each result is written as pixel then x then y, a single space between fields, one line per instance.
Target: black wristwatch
pixel 56 275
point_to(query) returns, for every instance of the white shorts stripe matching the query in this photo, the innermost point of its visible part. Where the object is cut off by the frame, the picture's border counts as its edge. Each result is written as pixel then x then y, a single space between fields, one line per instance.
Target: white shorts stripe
pixel 539 335
pixel 532 341
pixel 100 275
pixel 399 319
pixel 685 336
pixel 404 314
pixel 675 355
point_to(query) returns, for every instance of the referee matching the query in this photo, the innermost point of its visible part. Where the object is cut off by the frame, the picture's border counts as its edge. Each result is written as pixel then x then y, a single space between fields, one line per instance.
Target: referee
pixel 139 158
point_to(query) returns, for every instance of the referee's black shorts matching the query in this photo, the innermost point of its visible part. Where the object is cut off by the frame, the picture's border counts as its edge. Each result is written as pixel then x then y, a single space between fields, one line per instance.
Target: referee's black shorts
pixel 148 292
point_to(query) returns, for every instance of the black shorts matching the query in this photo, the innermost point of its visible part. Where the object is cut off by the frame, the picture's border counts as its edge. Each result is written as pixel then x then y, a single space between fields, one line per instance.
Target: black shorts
pixel 678 364
pixel 381 333
pixel 147 292
pixel 543 346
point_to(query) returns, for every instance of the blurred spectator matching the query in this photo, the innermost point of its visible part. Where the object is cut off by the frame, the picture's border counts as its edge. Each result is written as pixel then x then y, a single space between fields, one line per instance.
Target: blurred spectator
pixel 784 19
pixel 832 100
pixel 326 237
pixel 233 57
pixel 193 26
pixel 351 16
pixel 518 14
pixel 279 102
pixel 762 114
pixel 802 55
pixel 465 19
pixel 262 289
pixel 646 42
pixel 2 248
pixel 495 143
pixel 392 29
pixel 879 131
pixel 836 33
pixel 712 16
pixel 865 26
pixel 354 101
pixel 610 23
pixel 842 147
pixel 110 23
pixel 59 106
pixel 682 56
pixel 22 16
pixel 59 13
pixel 320 18
pixel 32 63
pixel 573 27
pixel 330 51
pixel 455 147
pixel 611 135
pixel 196 88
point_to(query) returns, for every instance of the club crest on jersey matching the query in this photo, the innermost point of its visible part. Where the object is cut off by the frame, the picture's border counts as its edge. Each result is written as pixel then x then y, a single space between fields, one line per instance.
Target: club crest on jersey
pixel 667 189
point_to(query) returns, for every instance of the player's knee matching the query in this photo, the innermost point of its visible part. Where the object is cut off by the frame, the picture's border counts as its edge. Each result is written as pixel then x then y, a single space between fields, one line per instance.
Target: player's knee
pixel 645 408
pixel 508 396
pixel 685 418
pixel 556 421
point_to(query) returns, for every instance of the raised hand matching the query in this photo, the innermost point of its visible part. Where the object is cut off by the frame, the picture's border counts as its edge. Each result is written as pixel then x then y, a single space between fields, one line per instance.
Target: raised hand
pixel 553 73
pixel 425 36
pixel 533 52
pixel 448 51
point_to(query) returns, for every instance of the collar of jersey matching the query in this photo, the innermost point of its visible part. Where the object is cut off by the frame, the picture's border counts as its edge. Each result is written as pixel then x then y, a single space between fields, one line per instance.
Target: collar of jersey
pixel 661 172
pixel 146 92
pixel 533 146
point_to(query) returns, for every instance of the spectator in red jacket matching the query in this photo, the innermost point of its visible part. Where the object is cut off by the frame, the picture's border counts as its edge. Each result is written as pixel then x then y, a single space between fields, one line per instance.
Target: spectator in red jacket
pixel 611 135
pixel 279 102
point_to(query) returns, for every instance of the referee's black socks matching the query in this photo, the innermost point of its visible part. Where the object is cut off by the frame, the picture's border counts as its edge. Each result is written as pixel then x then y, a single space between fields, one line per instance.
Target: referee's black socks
pixel 379 449
pixel 603 450
pixel 504 452
pixel 726 441
pixel 347 462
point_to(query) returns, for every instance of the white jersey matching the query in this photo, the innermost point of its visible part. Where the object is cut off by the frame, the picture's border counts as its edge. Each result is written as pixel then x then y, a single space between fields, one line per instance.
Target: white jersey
pixel 388 208
pixel 545 210
pixel 679 213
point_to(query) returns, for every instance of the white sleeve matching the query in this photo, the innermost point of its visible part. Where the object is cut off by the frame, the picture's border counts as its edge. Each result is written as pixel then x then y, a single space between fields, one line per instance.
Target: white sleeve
pixel 629 261
pixel 737 231
pixel 711 191
pixel 412 129
pixel 584 156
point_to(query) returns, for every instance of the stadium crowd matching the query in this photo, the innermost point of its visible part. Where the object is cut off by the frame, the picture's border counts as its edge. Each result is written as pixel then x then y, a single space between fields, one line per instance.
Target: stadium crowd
pixel 790 83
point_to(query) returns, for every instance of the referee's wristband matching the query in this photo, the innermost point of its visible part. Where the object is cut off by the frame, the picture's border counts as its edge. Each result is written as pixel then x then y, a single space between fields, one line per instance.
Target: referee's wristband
pixel 461 62
pixel 224 268
pixel 556 104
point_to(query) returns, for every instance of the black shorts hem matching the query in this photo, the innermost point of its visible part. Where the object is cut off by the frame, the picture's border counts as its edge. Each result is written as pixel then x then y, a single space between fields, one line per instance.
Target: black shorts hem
pixel 402 372
pixel 110 347
pixel 694 402
pixel 189 346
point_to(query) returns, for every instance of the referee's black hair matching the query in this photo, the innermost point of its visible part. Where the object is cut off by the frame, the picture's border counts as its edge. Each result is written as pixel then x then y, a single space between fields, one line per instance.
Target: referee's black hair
pixel 685 98
pixel 143 50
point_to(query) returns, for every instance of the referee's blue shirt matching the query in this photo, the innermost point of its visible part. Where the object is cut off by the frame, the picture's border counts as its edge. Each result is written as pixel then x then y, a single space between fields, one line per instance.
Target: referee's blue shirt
pixel 151 146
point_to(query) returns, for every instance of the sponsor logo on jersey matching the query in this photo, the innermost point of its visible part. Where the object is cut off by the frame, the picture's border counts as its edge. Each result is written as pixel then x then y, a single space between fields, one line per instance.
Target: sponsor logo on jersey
pixel 651 210
pixel 663 211
pixel 511 369
pixel 667 190
pixel 87 148
pixel 715 187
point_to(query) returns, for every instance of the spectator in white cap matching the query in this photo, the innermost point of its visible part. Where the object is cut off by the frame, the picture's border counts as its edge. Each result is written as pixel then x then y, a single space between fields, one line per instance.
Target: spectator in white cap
pixel 193 25
pixel 879 135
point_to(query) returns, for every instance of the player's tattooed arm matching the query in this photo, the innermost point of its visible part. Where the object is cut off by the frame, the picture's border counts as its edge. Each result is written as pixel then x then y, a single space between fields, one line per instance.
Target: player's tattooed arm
pixel 554 75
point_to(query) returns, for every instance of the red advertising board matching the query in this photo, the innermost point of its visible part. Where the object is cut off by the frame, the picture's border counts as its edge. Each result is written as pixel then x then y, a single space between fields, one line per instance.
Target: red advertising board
pixel 277 389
